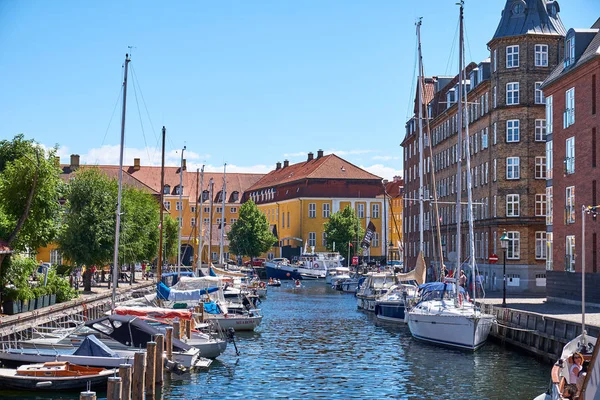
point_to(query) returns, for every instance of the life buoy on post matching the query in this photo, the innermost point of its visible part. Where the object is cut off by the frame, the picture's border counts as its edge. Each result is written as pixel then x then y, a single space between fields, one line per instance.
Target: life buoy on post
pixel 316 265
pixel 262 285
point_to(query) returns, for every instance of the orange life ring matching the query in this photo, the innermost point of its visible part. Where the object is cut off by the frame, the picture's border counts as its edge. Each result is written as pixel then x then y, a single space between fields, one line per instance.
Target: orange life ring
pixel 262 284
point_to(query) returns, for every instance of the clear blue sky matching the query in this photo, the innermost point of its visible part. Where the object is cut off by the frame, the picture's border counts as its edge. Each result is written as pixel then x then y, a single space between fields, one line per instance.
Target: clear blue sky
pixel 249 83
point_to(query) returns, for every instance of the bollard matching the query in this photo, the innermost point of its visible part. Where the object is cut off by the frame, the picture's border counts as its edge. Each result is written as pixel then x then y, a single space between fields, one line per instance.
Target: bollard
pixel 181 329
pixel 87 395
pixel 188 329
pixel 150 367
pixel 169 343
pixel 177 330
pixel 202 312
pixel 125 375
pixel 139 372
pixel 160 353
pixel 113 388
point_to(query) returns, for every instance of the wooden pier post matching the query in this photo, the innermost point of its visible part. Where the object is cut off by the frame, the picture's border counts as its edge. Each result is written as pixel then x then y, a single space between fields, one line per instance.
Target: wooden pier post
pixel 125 375
pixel 113 388
pixel 139 372
pixel 150 367
pixel 169 343
pixel 177 330
pixel 87 395
pixel 160 353
pixel 188 329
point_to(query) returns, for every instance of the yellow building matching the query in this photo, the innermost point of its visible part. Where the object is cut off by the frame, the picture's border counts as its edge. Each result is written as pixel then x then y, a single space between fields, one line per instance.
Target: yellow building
pixel 298 199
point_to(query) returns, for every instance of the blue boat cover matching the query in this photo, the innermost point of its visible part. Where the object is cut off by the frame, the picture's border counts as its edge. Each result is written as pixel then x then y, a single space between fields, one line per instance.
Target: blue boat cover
pixel 93 347
pixel 438 286
pixel 165 293
pixel 212 308
pixel 211 272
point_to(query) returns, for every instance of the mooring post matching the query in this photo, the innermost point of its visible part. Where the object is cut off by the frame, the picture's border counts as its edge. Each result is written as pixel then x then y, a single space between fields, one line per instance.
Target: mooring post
pixel 139 372
pixel 160 353
pixel 87 395
pixel 113 388
pixel 188 329
pixel 177 330
pixel 150 367
pixel 169 343
pixel 125 375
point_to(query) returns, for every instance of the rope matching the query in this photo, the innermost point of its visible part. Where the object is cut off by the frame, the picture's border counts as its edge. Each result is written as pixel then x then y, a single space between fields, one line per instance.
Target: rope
pixel 515 329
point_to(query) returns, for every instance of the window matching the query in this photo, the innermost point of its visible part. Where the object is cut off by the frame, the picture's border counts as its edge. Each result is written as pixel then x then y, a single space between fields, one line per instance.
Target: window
pixel 495 59
pixel 219 210
pixel 540 130
pixel 207 209
pixel 312 239
pixel 549 259
pixel 55 257
pixel 569 115
pixel 177 205
pixel 361 210
pixel 512 168
pixel 205 221
pixel 540 168
pixel 233 220
pixel 167 205
pixel 539 94
pixel 219 221
pixel 288 219
pixel 375 210
pixel 205 195
pixel 495 133
pixel 514 245
pixel 193 222
pixel 214 256
pixel 570 253
pixel 484 139
pixel 540 205
pixel 512 131
pixel 178 189
pixel 235 196
pixel 570 156
pixel 233 210
pixel 570 205
pixel 549 205
pixel 512 56
pixel 549 114
pixel 549 159
pixel 193 209
pixel 495 170
pixel 512 205
pixel 512 93
pixel 312 210
pixel 324 239
pixel 180 222
pixel 569 51
pixel 167 189
pixel 494 96
pixel 541 55
pixel 326 210
pixel 375 239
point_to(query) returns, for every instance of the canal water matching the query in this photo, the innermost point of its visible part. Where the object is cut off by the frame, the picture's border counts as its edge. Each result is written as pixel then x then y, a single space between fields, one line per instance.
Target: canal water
pixel 314 344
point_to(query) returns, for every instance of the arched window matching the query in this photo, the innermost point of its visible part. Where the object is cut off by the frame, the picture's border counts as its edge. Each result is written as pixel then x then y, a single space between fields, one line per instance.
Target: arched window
pixel 167 189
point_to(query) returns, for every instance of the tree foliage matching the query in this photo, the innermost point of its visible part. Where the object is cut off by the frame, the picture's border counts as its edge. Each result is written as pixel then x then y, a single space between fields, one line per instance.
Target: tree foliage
pixel 250 234
pixel 170 232
pixel 139 226
pixel 342 229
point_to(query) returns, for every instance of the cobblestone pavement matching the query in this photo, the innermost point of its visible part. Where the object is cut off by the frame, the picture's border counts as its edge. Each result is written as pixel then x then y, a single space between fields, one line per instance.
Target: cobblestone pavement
pixel 568 312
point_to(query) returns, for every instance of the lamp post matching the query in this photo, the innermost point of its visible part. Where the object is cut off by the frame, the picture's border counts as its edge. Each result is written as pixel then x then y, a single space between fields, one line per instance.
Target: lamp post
pixel 504 245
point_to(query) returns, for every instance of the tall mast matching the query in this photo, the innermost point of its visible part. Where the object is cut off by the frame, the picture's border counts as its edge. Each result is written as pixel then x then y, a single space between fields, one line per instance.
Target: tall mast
pixel 420 105
pixel 180 223
pixel 196 226
pixel 200 218
pixel 223 193
pixel 162 202
pixel 115 272
pixel 469 184
pixel 210 223
pixel 459 151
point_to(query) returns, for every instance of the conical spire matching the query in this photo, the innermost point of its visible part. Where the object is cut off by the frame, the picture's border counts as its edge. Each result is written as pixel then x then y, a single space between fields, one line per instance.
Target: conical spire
pixel 522 17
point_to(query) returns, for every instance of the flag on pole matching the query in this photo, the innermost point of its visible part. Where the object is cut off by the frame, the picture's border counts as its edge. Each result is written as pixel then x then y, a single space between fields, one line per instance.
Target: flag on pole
pixel 366 242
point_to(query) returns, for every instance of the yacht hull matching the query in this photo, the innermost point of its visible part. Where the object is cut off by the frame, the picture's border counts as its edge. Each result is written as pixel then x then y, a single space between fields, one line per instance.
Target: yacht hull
pixel 282 272
pixel 393 311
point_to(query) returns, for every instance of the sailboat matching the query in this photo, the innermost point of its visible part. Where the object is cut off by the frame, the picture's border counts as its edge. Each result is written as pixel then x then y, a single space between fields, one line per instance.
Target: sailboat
pixel 443 314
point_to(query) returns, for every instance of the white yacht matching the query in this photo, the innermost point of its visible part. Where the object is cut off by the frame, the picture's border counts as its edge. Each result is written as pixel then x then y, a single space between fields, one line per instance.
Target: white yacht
pixel 375 285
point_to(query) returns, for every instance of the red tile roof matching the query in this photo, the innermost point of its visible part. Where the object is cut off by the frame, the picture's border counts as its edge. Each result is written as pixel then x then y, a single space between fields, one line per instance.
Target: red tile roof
pixel 395 188
pixel 326 167
pixel 112 171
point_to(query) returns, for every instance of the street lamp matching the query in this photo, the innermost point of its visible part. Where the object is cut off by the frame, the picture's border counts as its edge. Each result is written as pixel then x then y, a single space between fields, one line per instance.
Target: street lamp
pixel 504 244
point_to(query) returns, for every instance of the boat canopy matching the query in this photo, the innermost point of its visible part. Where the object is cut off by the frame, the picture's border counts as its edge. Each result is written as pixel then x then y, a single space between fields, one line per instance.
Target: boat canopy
pixel 93 347
pixel 174 294
pixel 130 331
pixel 438 286
pixel 171 278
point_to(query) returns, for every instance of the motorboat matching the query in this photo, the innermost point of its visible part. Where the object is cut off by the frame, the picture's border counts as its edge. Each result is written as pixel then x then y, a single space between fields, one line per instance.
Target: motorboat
pixel 316 264
pixel 373 287
pixel 280 268
pixel 53 376
pixel 274 282
pixel 350 285
pixel 335 274
pixel 443 318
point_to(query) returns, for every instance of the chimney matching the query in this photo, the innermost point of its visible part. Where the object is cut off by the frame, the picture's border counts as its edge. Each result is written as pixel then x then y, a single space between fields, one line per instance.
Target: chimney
pixel 286 163
pixel 310 156
pixel 136 164
pixel 184 167
pixel 277 166
pixel 319 154
pixel 74 161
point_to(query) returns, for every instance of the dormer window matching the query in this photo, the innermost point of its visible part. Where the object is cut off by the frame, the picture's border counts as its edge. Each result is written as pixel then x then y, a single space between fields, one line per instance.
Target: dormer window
pixel 219 197
pixel 178 189
pixel 205 195
pixel 570 51
pixel 235 196
pixel 167 189
pixel 450 98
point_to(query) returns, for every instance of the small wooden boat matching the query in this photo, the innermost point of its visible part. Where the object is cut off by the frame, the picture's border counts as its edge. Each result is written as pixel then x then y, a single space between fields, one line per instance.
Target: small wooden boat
pixel 56 375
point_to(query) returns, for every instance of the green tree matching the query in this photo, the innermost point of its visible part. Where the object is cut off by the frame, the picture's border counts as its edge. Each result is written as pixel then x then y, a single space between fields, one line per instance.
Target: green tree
pixel 250 234
pixel 170 232
pixel 30 188
pixel 342 229
pixel 139 226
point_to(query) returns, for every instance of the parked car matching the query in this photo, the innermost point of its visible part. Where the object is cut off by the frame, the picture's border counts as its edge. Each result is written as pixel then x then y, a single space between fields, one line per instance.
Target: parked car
pixel 257 262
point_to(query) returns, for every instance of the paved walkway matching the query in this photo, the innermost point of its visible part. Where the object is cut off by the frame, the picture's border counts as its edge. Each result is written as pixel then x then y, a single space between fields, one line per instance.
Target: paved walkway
pixel 567 312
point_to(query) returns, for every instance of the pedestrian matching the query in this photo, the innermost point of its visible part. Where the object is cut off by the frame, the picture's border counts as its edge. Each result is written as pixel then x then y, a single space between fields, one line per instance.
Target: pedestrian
pixel 443 273
pixel 479 281
pixel 462 280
